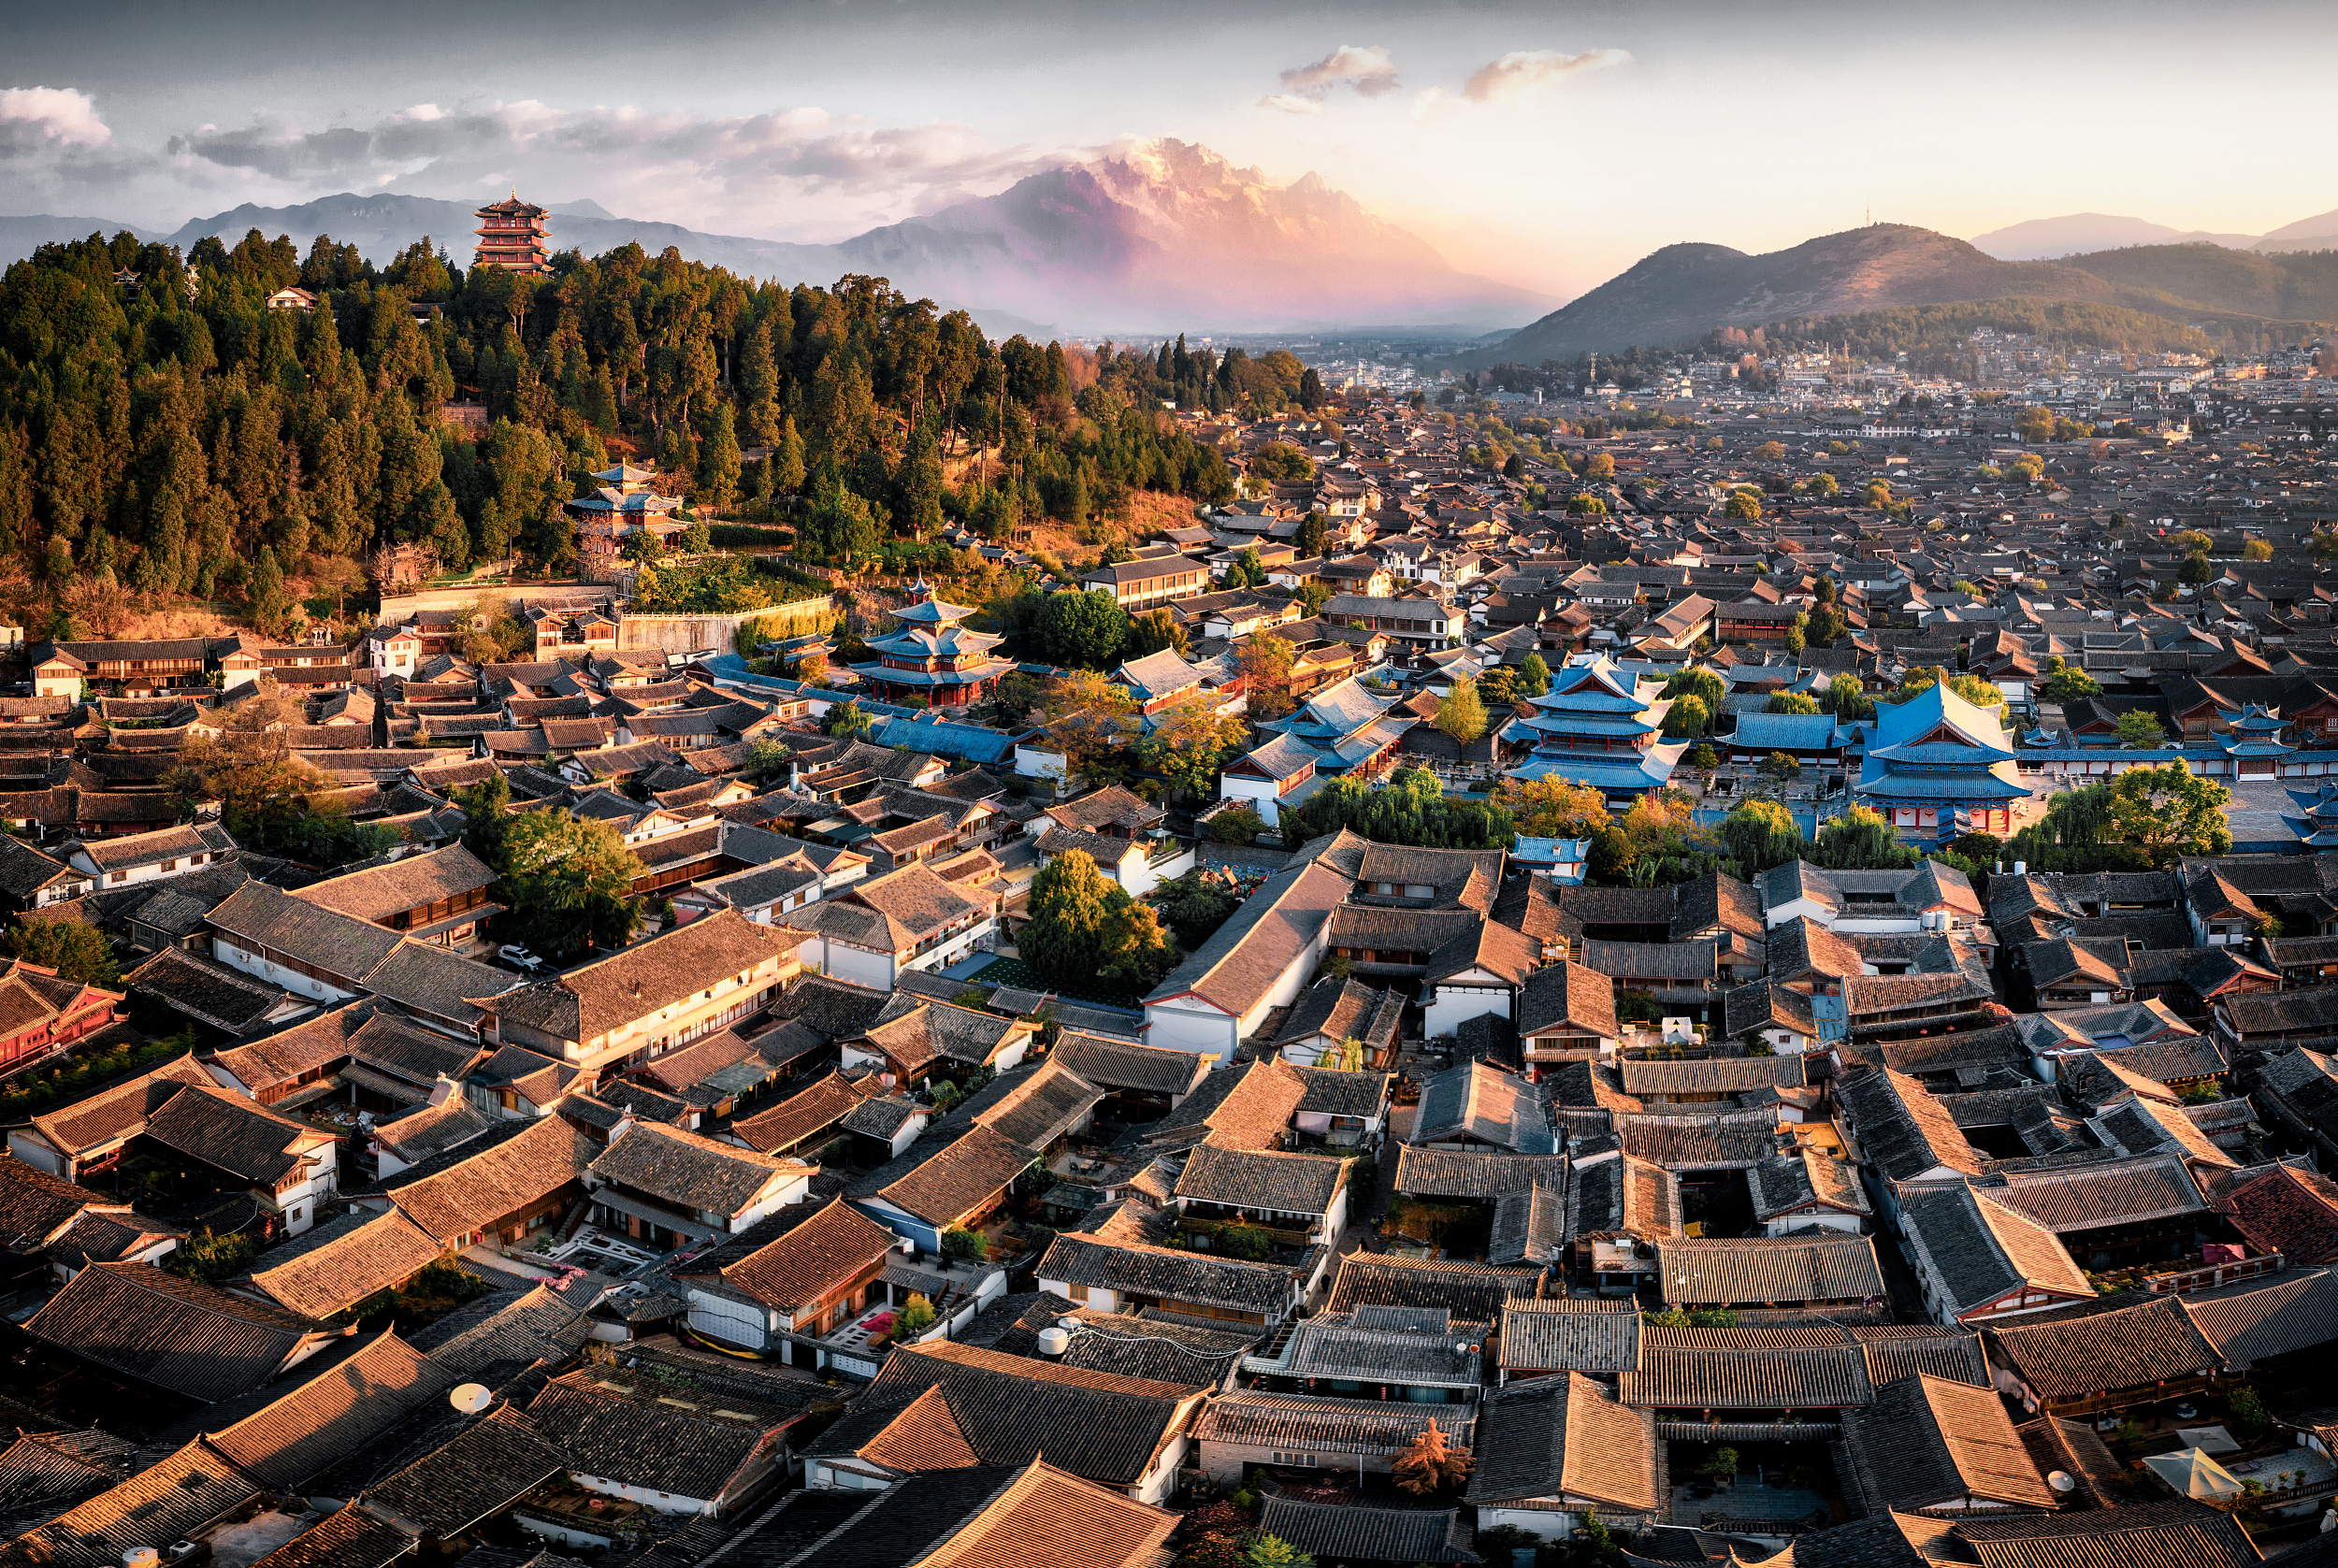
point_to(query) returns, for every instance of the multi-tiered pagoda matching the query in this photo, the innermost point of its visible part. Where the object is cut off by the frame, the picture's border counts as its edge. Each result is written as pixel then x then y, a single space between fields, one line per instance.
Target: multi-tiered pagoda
pixel 622 504
pixel 511 237
pixel 930 655
pixel 1601 724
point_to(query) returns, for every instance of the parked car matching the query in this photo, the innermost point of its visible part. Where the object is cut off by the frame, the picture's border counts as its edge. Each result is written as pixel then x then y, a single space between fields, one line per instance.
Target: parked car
pixel 522 959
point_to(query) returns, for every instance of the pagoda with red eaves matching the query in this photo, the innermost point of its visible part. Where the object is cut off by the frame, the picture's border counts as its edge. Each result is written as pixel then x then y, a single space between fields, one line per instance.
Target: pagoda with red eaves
pixel 929 655
pixel 511 237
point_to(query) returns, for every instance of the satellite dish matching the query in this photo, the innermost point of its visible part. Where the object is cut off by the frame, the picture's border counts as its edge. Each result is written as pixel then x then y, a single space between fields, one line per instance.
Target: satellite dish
pixel 470 1398
pixel 2062 1480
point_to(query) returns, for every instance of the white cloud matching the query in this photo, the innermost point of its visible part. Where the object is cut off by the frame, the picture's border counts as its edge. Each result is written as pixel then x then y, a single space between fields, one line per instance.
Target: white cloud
pixel 51 114
pixel 1366 67
pixel 1525 74
pixel 1290 103
pixel 799 173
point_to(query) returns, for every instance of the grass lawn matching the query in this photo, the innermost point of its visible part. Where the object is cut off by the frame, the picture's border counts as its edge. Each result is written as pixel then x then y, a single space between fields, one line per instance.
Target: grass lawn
pixel 1013 972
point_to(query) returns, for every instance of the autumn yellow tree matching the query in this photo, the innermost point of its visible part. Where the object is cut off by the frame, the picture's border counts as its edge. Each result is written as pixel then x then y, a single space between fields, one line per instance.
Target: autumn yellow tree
pixel 1551 807
pixel 1431 1463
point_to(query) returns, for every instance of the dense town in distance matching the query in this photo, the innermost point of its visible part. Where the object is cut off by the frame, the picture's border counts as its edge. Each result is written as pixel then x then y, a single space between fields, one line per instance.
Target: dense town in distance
pixel 1115 956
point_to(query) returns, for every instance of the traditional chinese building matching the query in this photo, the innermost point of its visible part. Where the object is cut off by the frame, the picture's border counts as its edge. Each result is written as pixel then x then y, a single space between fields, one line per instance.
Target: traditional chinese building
pixel 1342 731
pixel 1601 724
pixel 621 504
pixel 511 237
pixel 1940 766
pixel 930 655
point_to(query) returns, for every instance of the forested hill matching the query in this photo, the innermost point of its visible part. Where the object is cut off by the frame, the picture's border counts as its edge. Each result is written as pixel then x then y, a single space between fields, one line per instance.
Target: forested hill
pixel 163 436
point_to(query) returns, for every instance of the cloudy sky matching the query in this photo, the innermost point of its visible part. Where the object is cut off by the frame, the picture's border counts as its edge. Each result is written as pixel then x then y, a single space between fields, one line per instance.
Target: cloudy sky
pixel 1547 145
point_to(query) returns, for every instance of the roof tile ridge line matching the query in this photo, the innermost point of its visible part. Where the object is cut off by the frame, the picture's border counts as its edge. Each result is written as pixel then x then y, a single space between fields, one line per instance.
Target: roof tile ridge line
pixel 203 1441
pixel 199 1306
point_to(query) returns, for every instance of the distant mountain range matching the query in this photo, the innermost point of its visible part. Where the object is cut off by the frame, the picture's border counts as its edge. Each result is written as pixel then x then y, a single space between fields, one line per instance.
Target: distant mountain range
pixel 1682 292
pixel 1153 238
pixel 2047 239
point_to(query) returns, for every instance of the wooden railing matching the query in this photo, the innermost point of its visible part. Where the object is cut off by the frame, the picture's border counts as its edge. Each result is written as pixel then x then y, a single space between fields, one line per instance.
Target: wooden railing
pixel 2185 1282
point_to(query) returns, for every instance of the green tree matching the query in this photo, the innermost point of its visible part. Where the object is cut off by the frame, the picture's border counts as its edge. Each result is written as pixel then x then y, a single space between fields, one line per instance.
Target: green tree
pixel 487 812
pixel 1188 745
pixel 1273 1551
pixel 1315 539
pixel 1703 756
pixel 2067 683
pixel 1826 625
pixel 568 882
pixel 1687 716
pixel 1533 676
pixel 1236 825
pixel 2195 572
pixel 1155 631
pixel 1193 905
pixel 1612 853
pixel 1599 469
pixel 1462 713
pixel 850 722
pixel 916 1317
pixel 1089 718
pixel 1410 807
pixel 1702 684
pixel 1083 927
pixel 1783 766
pixel 267 605
pixel 1745 505
pixel 1848 699
pixel 1081 630
pixel 2035 425
pixel 1860 840
pixel 2170 812
pixel 1791 702
pixel 2138 731
pixel 787 459
pixel 212 1258
pixel 718 459
pixel 76 951
pixel 1760 834
pixel 1265 662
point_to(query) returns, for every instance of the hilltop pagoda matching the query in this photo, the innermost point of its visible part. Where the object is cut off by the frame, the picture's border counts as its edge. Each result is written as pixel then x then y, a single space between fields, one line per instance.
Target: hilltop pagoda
pixel 621 504
pixel 930 655
pixel 511 237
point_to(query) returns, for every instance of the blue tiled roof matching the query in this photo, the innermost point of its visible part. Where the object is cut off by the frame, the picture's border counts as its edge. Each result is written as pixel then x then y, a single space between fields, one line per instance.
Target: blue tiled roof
pixel 968 742
pixel 1882 785
pixel 1786 729
pixel 1648 774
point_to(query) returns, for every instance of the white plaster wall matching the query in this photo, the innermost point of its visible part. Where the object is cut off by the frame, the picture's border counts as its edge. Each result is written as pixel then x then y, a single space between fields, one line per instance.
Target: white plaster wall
pixel 1190 1026
pixel 1456 1005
